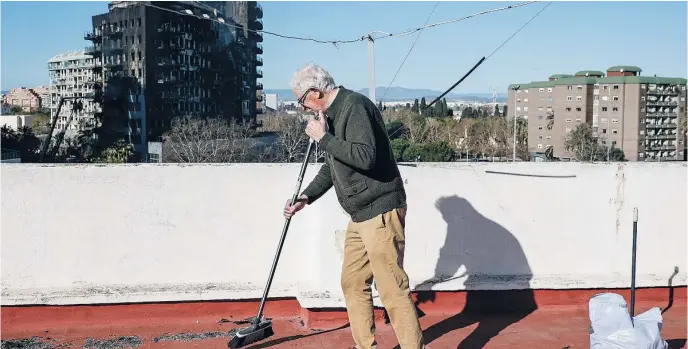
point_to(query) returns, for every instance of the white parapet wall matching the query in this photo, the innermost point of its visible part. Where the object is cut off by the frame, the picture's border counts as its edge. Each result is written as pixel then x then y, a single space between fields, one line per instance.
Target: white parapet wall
pixel 84 234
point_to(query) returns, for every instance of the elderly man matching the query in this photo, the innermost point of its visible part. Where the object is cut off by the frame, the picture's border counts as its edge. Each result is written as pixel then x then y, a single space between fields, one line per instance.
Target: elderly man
pixel 361 167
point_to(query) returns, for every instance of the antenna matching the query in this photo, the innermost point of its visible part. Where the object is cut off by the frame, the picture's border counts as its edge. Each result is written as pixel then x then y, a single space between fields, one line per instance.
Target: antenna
pixel 494 99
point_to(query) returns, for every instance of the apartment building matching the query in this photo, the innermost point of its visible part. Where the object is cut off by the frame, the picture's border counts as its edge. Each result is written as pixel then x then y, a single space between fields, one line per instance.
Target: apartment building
pixel 158 61
pixel 71 76
pixel 638 114
pixel 25 98
pixel 248 15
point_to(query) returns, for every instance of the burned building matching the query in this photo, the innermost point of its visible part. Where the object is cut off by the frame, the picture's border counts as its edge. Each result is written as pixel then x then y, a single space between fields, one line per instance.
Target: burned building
pixel 156 61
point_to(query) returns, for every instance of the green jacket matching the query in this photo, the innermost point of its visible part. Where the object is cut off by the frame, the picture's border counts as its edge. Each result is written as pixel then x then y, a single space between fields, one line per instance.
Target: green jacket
pixel 359 162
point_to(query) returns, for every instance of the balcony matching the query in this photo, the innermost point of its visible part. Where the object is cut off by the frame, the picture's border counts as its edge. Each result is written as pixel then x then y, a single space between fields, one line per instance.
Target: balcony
pixel 259 86
pixel 256 24
pixel 259 48
pixel 92 51
pixel 660 137
pixel 166 211
pixel 113 31
pixel 259 61
pixel 95 37
pixel 259 73
pixel 259 11
pixel 257 36
pixel 663 92
pixel 660 126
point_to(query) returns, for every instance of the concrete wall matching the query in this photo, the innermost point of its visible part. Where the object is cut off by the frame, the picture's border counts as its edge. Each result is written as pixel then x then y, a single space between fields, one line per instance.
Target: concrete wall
pixel 130 233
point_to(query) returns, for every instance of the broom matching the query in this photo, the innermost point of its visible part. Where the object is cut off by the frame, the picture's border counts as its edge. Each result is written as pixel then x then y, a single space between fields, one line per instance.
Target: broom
pixel 261 329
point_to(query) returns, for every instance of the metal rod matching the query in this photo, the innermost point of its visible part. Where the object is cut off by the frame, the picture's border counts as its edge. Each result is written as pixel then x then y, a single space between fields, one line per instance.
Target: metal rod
pixel 284 233
pixel 635 238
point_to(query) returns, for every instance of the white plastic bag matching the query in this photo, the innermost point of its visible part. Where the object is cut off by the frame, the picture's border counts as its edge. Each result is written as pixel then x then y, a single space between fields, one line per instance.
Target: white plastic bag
pixel 613 328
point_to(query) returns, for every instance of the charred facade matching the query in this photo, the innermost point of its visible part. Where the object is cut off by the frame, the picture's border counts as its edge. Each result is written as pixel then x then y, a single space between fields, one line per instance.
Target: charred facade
pixel 154 63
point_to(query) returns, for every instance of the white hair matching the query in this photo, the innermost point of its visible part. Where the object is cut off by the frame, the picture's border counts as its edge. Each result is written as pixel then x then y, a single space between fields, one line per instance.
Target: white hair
pixel 312 76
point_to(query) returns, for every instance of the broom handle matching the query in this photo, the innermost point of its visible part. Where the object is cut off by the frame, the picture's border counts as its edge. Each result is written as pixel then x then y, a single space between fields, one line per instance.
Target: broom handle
pixel 284 233
pixel 635 238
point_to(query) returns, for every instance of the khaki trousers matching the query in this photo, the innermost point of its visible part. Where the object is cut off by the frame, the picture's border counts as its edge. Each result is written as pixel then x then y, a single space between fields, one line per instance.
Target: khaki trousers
pixel 375 249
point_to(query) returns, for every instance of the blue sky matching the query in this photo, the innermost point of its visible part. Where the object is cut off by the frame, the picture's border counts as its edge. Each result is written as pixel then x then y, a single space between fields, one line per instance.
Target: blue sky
pixel 565 38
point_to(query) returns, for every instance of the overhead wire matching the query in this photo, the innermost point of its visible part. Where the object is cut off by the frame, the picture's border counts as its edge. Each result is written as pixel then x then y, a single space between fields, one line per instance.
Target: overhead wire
pixel 409 51
pixel 483 60
pixel 338 41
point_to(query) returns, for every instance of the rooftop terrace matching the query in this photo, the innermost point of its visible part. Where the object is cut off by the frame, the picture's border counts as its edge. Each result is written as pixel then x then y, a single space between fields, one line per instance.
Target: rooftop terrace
pixel 500 255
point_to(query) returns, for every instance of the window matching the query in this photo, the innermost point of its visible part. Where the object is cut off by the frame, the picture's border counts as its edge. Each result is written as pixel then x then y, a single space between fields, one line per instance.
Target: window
pixel 541 108
pixel 578 120
pixel 525 100
pixel 642 98
pixel 549 89
pixel 138 37
pixel 518 91
pixel 683 88
pixel 549 137
pixel 616 98
pixel 539 127
pixel 579 98
pixel 642 86
pixel 604 87
pixel 579 87
pixel 615 132
pixel 596 97
pixel 568 108
pixel 541 89
pixel 568 120
pixel 569 87
pixel 603 120
pixel 640 155
pixel 540 117
pixel 642 132
pixel 569 98
pixel 539 146
pixel 615 109
pixel 138 22
pixel 568 129
pixel 604 108
pixel 518 108
pixel 540 137
pixel 604 98
pixel 642 109
pixel 525 108
pixel 615 121
pixel 518 100
pixel 616 87
pixel 604 130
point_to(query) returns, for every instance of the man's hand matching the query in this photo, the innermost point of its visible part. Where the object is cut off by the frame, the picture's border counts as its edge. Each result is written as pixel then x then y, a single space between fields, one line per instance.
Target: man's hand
pixel 316 129
pixel 290 210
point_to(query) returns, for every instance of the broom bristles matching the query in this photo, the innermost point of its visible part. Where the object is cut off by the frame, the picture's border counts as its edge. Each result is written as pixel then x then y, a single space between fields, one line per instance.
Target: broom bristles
pixel 253 334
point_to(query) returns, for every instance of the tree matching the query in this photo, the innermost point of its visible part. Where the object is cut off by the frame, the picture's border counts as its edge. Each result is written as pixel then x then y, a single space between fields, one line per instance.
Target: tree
pixel 380 106
pixel 415 106
pixel 467 113
pixel 16 110
pixel 23 140
pixel 582 144
pixel 292 141
pixel 408 105
pixel 120 152
pixel 399 145
pixel 202 140
pixel 423 105
pixel 395 129
pixel 504 111
pixel 430 152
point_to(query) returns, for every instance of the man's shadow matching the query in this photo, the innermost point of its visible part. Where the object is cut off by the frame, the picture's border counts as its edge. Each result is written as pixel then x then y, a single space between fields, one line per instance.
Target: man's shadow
pixel 491 255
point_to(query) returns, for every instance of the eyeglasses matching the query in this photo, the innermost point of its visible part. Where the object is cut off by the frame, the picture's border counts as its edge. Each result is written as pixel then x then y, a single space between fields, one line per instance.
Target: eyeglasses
pixel 302 99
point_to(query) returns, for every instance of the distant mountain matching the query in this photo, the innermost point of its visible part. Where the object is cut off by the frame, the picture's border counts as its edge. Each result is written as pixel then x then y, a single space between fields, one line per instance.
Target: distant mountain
pixel 403 94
